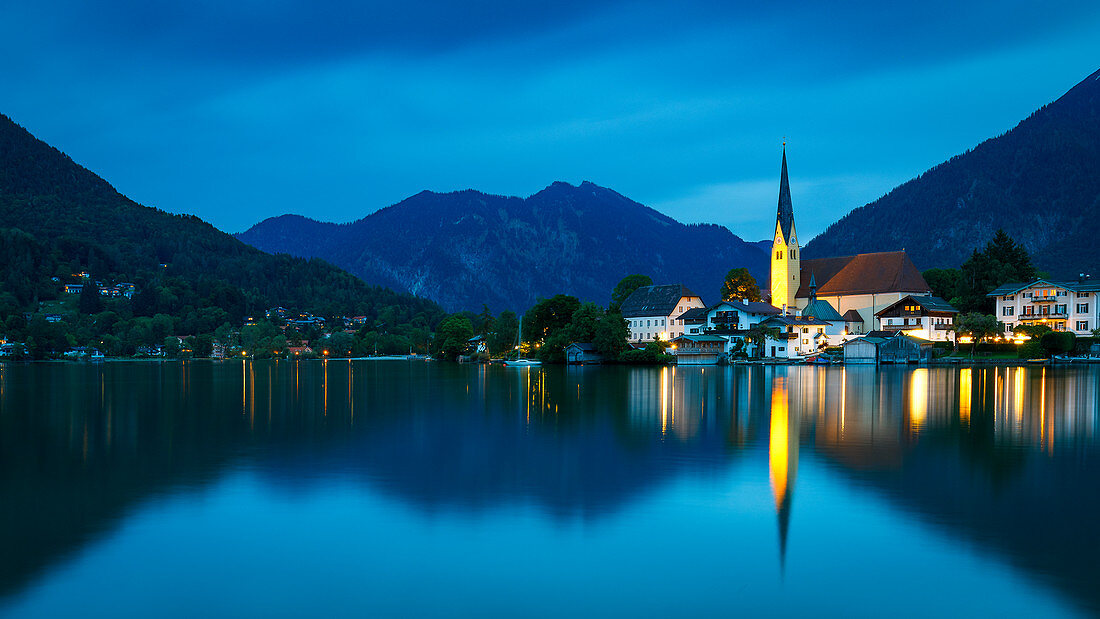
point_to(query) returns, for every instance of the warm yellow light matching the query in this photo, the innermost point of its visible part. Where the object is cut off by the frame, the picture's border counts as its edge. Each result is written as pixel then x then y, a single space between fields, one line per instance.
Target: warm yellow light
pixel 783 463
pixel 325 352
pixel 243 353
pixel 918 399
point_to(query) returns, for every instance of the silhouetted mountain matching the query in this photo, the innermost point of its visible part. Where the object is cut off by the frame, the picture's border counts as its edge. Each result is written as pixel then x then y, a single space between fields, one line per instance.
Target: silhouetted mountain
pixel 466 248
pixel 68 219
pixel 1039 182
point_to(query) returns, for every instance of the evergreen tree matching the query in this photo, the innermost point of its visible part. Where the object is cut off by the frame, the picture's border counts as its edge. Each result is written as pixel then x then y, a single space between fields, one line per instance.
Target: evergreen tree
pixel 90 301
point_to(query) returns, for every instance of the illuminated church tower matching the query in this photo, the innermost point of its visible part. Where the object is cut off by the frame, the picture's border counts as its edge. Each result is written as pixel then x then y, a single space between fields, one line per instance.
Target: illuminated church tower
pixel 785 250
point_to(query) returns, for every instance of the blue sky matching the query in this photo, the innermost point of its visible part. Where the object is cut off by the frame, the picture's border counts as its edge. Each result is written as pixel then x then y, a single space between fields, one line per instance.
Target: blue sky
pixel 237 111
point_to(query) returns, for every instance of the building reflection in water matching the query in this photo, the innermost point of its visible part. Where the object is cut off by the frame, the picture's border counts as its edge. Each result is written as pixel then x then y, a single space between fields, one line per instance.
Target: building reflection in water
pixel 575 440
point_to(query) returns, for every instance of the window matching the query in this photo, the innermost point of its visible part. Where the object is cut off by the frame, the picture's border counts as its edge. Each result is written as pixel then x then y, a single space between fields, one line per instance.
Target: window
pixel 1082 295
pixel 792 254
pixel 1082 308
pixel 1010 297
pixel 1061 309
pixel 647 324
pixel 779 255
pixel 805 330
pixel 1082 325
pixel 1008 310
pixel 1027 295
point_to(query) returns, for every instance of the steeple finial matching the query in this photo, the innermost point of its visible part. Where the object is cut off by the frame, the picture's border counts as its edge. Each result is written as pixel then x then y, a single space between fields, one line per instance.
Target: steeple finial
pixel 785 214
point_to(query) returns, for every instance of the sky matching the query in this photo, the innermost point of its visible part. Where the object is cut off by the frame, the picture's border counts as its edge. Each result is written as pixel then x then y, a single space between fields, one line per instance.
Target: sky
pixel 239 111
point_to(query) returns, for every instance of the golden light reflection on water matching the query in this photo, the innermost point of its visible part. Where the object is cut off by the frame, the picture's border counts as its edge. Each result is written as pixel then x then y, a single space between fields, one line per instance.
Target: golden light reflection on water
pixel 918 399
pixel 781 456
pixel 966 393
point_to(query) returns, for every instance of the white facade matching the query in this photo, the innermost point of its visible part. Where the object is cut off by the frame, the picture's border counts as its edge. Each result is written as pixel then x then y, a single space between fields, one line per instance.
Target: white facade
pixel 663 327
pixel 1062 306
pixel 931 328
pixel 866 305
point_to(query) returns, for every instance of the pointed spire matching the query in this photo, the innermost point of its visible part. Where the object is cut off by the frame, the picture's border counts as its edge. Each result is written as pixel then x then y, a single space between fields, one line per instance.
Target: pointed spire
pixel 785 215
pixel 813 288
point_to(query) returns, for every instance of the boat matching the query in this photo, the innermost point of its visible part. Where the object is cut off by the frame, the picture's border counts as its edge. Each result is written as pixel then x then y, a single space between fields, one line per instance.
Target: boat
pixel 96 355
pixel 521 362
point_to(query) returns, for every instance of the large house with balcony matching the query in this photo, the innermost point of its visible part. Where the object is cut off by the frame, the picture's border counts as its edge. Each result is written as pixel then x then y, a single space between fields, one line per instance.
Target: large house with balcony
pixel 653 312
pixel 1062 306
pixel 927 317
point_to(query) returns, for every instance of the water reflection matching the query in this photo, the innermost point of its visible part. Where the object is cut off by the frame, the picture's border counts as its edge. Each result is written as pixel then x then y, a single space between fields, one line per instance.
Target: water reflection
pixel 1003 458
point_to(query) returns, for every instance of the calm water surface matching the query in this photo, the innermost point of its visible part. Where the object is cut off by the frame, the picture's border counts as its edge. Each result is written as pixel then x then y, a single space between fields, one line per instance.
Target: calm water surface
pixel 403 488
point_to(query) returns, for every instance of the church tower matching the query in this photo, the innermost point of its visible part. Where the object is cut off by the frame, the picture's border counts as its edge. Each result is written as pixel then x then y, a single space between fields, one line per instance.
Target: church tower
pixel 785 250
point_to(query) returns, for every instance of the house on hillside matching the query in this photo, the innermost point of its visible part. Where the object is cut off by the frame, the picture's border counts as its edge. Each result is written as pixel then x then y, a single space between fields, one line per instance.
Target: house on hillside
pixel 865 283
pixel 74 288
pixel 1062 306
pixel 652 312
pixel 580 353
pixel 927 317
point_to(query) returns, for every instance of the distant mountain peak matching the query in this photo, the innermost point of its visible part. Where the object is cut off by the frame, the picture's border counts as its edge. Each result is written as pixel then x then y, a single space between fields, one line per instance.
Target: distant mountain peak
pixel 466 248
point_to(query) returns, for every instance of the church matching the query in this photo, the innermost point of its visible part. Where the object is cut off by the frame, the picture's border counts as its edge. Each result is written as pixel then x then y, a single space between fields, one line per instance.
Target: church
pixel 855 286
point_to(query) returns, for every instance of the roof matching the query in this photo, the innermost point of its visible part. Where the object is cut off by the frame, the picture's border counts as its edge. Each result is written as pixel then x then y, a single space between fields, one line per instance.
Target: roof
pixel 655 300
pixel 927 303
pixel 852 316
pixel 822 310
pixel 752 307
pixel 700 338
pixel 870 339
pixel 785 214
pixel 585 346
pixel 1086 286
pixel 695 313
pixel 877 273
pixel 797 321
pixel 884 334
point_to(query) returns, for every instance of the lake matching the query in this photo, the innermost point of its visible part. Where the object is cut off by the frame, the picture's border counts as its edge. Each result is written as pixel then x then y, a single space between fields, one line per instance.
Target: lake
pixel 411 489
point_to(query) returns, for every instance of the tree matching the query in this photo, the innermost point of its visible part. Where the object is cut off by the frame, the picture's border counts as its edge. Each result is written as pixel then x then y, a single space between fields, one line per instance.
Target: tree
pixel 943 282
pixel 338 344
pixel 978 326
pixel 610 336
pixel 90 302
pixel 1058 342
pixel 1000 262
pixel 452 335
pixel 504 332
pixel 548 316
pixel 759 334
pixel 740 284
pixel 625 288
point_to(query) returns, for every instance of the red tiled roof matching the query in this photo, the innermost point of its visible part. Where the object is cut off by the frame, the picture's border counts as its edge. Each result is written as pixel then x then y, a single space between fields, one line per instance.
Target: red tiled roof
pixel 875 273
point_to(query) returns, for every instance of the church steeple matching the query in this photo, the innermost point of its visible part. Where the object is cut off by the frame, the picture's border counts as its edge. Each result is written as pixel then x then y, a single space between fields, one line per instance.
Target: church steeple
pixel 785 259
pixel 785 215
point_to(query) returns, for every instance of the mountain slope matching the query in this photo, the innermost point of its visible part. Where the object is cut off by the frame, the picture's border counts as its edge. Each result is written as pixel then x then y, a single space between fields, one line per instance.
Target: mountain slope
pixel 77 220
pixel 1039 181
pixel 466 248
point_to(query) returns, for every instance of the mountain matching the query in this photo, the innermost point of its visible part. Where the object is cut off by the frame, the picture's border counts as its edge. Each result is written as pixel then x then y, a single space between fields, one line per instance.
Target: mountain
pixel 57 218
pixel 466 248
pixel 1040 182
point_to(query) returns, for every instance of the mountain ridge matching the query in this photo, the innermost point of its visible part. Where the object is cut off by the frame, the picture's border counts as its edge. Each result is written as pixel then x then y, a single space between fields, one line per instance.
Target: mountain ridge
pixel 463 248
pixel 1039 181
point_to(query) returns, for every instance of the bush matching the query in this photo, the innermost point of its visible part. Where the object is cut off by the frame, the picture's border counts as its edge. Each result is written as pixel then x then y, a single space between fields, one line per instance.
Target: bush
pixel 1031 350
pixel 1058 342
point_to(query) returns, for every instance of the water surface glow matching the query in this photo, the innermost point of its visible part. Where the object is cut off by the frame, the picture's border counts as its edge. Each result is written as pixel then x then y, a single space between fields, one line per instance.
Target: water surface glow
pixel 408 489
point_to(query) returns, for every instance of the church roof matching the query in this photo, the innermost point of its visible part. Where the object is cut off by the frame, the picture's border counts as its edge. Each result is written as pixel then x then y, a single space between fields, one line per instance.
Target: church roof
pixel 876 273
pixel 655 300
pixel 785 214
pixel 822 310
pixel 852 316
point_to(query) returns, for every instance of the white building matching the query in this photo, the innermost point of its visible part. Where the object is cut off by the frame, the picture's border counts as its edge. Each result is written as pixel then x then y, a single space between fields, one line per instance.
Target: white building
pixel 652 312
pixel 1062 306
pixel 929 318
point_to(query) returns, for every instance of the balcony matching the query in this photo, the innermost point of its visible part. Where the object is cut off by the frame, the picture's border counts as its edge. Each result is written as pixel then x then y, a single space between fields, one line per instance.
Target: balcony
pixel 1044 298
pixel 1052 315
pixel 944 327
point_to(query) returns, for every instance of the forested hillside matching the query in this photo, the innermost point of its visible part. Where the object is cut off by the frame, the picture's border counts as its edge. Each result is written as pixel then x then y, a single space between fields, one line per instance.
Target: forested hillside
pixel 1039 182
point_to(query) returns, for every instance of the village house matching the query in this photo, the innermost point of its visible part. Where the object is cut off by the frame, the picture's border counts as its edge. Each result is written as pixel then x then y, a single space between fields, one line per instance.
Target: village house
pixel 653 312
pixel 927 317
pixel 580 353
pixel 887 347
pixel 798 336
pixel 1062 306
pixel 864 283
